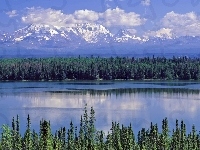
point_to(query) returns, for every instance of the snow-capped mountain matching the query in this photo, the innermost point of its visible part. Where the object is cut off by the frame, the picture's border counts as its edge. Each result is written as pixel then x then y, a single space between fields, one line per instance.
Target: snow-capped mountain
pixel 125 36
pixel 88 37
pixel 90 33
pixel 36 36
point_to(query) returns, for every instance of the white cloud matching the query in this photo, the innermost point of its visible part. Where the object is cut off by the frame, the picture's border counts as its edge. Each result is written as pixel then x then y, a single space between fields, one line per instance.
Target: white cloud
pixel 162 33
pixel 87 15
pixel 57 18
pixel 12 13
pixel 145 2
pixel 111 17
pixel 174 24
pixel 118 17
pixel 45 16
pixel 174 20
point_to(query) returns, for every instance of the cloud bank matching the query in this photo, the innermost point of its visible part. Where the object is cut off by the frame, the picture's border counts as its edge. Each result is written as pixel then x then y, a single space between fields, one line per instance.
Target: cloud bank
pixel 176 25
pixel 171 25
pixel 118 17
pixel 109 18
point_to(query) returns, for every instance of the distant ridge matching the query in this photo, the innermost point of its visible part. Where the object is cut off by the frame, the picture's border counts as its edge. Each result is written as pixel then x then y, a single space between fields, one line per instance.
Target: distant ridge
pixel 93 38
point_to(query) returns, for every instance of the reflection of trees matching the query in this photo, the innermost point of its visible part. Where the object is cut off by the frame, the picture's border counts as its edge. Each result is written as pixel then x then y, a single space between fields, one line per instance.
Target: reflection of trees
pixel 117 92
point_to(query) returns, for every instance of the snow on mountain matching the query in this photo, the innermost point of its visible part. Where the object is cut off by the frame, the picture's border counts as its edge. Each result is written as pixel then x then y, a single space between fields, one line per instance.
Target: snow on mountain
pixel 5 37
pixel 93 33
pixel 39 32
pixel 90 33
pixel 36 36
pixel 125 36
pixel 85 36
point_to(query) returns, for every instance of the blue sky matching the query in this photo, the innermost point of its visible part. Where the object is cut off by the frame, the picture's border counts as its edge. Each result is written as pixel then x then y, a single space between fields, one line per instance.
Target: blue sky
pixel 141 17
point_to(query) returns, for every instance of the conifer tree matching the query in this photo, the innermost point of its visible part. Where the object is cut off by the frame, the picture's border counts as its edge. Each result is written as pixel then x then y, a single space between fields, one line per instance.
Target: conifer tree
pixel 18 135
pixel 91 130
pixel 46 138
pixel 6 138
pixel 28 143
pixel 70 138
pixel 35 138
pixel 81 139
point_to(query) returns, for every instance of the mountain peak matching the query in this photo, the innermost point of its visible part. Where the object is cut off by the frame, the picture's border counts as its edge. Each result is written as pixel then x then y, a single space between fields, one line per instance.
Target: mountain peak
pixel 125 36
pixel 93 33
pixel 42 36
pixel 123 32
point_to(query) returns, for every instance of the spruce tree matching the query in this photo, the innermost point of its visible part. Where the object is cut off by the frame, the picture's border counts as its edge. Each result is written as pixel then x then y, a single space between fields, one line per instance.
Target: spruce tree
pixel 28 143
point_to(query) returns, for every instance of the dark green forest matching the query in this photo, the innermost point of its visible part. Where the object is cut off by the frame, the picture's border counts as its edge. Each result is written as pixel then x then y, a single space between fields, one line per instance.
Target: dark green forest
pixel 87 137
pixel 98 68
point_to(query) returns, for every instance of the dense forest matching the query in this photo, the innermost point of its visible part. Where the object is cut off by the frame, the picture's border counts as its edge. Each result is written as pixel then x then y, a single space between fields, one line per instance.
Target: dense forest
pixel 86 137
pixel 98 68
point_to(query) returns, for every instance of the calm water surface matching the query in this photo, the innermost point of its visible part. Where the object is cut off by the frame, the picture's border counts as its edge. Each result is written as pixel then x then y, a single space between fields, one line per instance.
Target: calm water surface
pixel 133 102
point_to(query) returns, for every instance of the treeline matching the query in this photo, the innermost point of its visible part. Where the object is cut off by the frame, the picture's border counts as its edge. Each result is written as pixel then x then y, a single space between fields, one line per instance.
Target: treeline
pixel 86 137
pixel 96 68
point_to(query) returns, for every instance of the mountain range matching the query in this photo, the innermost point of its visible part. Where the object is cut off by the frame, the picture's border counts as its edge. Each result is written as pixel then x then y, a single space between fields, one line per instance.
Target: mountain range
pixel 92 38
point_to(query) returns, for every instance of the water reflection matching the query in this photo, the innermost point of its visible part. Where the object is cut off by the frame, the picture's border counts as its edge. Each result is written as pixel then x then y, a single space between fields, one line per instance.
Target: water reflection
pixel 139 106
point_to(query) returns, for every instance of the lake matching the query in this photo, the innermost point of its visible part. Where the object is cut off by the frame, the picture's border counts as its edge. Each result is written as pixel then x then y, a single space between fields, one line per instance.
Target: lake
pixel 135 102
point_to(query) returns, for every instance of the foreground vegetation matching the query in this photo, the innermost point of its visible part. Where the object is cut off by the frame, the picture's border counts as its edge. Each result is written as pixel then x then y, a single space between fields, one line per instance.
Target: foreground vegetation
pixel 86 137
pixel 96 68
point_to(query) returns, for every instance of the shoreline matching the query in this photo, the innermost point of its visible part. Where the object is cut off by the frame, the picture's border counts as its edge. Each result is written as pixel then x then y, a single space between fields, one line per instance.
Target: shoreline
pixel 97 80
